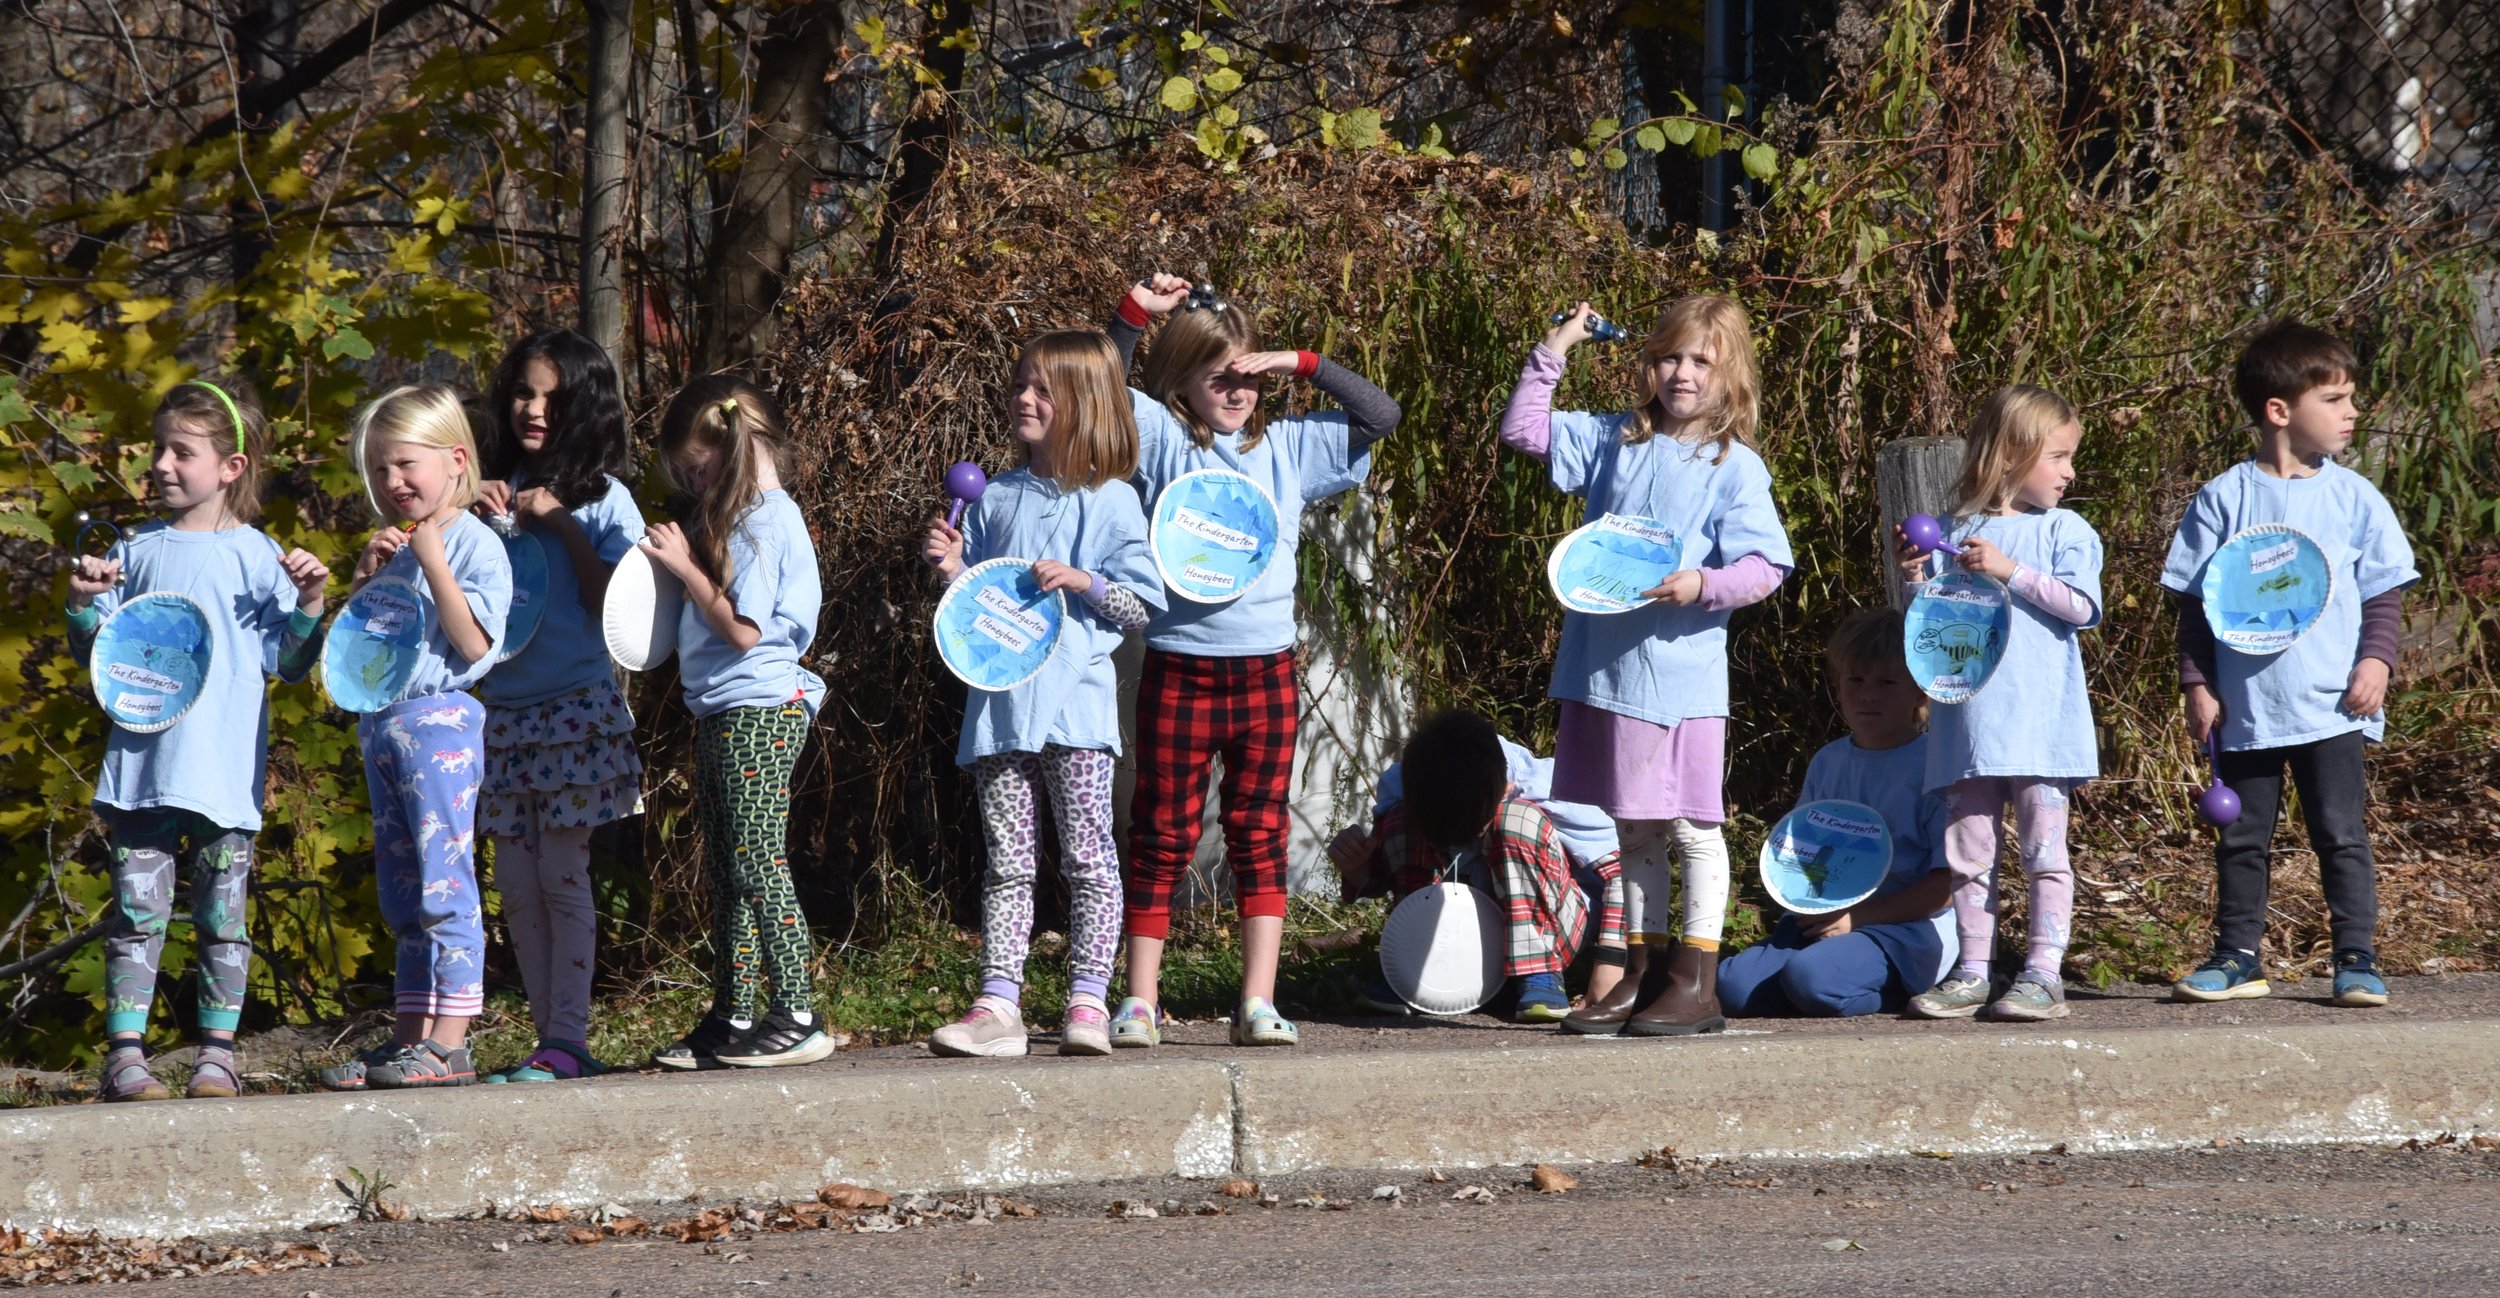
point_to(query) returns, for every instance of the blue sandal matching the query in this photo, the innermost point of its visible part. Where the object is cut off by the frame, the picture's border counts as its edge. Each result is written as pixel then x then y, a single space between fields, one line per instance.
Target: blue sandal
pixel 547 1064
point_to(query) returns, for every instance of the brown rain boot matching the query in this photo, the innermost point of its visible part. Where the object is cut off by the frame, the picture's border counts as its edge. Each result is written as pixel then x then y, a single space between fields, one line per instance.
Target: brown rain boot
pixel 1690 1003
pixel 1605 1018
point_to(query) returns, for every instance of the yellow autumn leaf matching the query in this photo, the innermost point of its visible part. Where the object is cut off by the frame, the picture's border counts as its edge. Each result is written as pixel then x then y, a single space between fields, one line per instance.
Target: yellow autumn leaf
pixel 140 310
pixel 73 342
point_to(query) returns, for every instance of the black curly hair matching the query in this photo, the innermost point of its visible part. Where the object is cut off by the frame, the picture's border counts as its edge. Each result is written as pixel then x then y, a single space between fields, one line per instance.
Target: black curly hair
pixel 1455 777
pixel 586 441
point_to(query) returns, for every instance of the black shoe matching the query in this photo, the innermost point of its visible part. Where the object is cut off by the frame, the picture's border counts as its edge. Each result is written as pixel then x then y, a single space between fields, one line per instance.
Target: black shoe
pixel 700 1048
pixel 777 1041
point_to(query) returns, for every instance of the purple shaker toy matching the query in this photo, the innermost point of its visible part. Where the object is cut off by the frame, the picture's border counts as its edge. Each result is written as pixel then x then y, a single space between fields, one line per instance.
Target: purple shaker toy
pixel 964 484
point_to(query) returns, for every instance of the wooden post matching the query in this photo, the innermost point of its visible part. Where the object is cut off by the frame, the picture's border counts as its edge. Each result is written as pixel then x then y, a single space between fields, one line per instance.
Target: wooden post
pixel 1913 475
pixel 603 176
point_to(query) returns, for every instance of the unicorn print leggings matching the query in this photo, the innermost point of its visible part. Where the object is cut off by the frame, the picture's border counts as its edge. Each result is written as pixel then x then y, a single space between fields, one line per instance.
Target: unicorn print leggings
pixel 421 764
pixel 1970 849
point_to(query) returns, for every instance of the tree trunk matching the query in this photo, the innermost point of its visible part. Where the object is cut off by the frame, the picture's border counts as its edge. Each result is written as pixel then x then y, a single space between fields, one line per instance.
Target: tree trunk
pixel 920 154
pixel 755 234
pixel 1913 475
pixel 603 176
pixel 264 41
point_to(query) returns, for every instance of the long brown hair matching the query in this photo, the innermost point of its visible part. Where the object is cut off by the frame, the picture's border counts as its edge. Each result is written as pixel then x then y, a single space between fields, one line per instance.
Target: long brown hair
pixel 1093 433
pixel 2004 442
pixel 1736 408
pixel 228 413
pixel 1194 340
pixel 740 424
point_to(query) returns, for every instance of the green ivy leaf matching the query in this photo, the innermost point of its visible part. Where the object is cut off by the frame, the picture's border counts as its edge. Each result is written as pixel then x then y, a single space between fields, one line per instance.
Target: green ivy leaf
pixel 1359 128
pixel 1180 94
pixel 1650 137
pixel 1223 81
pixel 1679 132
pixel 1212 138
pixel 1192 40
pixel 1579 158
pixel 1614 159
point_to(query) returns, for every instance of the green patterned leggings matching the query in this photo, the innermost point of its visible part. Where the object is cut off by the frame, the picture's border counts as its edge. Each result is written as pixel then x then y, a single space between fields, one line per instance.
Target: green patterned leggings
pixel 743 758
pixel 149 846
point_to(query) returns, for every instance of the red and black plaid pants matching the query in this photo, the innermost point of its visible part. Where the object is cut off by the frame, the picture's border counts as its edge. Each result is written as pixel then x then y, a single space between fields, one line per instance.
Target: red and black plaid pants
pixel 1189 710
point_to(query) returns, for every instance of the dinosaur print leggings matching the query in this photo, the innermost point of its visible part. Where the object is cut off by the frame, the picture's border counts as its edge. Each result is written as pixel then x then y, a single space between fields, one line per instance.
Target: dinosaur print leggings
pixel 148 846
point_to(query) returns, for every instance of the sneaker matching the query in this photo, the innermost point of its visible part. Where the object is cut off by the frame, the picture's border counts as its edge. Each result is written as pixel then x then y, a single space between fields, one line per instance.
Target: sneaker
pixel 1541 999
pixel 1135 1026
pixel 128 1081
pixel 427 1063
pixel 1381 999
pixel 700 1048
pixel 2225 976
pixel 1086 1030
pixel 991 1029
pixel 779 1041
pixel 2033 998
pixel 552 1061
pixel 350 1076
pixel 1257 1023
pixel 2357 983
pixel 1957 997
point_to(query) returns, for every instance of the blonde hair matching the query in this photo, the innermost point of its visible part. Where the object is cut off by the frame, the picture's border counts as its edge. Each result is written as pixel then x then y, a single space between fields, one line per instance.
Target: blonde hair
pixel 1734 408
pixel 738 422
pixel 228 413
pixel 2004 443
pixel 1093 433
pixel 418 414
pixel 1193 340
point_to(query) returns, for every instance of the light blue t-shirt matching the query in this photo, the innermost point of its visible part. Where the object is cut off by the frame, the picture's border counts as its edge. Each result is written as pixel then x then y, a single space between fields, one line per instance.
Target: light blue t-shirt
pixel 2034 716
pixel 477 561
pixel 1299 461
pixel 1074 701
pixel 568 653
pixel 773 584
pixel 1660 663
pixel 215 760
pixel 2296 696
pixel 1889 780
pixel 1588 835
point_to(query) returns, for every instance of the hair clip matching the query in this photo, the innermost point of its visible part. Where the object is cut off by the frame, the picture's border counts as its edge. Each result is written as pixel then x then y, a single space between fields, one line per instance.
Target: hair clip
pixel 729 409
pixel 1202 297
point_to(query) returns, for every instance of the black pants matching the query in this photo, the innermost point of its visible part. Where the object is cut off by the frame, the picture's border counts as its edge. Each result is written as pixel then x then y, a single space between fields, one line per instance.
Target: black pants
pixel 2329 776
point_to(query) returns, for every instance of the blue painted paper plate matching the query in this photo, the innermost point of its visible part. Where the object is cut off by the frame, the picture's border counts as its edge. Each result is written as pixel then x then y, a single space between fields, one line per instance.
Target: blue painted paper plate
pixel 151 660
pixel 1605 566
pixel 2266 587
pixel 1826 856
pixel 529 592
pixel 996 626
pixel 372 649
pixel 1955 632
pixel 1214 533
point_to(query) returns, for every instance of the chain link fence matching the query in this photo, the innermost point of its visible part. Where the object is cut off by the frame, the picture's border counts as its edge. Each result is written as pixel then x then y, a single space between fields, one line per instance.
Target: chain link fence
pixel 2407 89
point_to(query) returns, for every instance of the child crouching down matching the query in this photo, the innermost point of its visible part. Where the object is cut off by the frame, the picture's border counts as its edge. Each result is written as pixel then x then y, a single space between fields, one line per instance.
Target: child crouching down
pixel 1877 954
pixel 1467 801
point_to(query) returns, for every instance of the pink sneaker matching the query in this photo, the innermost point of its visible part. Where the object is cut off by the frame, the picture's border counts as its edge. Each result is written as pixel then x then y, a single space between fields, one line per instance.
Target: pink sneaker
pixel 992 1029
pixel 1087 1030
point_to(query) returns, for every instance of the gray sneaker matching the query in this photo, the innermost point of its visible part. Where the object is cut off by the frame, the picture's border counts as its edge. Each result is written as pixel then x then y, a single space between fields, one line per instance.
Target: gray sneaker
pixel 1956 997
pixel 992 1029
pixel 1087 1030
pixel 2030 1000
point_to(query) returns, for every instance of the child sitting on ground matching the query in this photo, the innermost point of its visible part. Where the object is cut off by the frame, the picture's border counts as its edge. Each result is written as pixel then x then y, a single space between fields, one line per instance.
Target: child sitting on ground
pixel 1468 800
pixel 1877 954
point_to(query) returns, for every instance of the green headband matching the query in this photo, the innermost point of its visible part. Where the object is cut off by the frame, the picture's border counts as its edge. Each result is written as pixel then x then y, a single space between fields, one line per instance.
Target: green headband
pixel 233 411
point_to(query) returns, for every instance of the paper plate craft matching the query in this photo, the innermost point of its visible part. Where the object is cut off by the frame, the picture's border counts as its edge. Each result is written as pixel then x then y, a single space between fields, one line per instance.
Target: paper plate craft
pixel 1214 533
pixel 372 648
pixel 151 660
pixel 1442 950
pixel 1955 633
pixel 996 626
pixel 639 619
pixel 1605 566
pixel 1826 856
pixel 529 592
pixel 2266 587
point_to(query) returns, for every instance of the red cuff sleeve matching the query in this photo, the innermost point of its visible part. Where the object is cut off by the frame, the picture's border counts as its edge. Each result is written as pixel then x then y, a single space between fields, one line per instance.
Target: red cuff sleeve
pixel 1305 364
pixel 1133 313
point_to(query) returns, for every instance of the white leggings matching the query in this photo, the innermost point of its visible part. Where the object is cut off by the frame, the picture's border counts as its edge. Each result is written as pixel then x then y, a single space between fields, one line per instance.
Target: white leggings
pixel 1650 848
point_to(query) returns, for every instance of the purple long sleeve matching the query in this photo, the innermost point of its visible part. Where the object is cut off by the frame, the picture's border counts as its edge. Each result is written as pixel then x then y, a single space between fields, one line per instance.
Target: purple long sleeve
pixel 1527 422
pixel 2053 597
pixel 2383 626
pixel 2196 644
pixel 1749 580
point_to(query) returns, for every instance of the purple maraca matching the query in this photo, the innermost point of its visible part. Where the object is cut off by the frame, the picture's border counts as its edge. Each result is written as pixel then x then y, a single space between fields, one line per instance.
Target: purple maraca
pixel 964 484
pixel 2217 804
pixel 1926 534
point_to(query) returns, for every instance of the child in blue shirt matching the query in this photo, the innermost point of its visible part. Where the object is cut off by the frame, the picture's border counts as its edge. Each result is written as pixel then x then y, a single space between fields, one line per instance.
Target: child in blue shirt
pixel 1879 953
pixel 2316 704
pixel 422 752
pixel 1219 677
pixel 2025 740
pixel 189 795
pixel 752 594
pixel 1071 511
pixel 560 754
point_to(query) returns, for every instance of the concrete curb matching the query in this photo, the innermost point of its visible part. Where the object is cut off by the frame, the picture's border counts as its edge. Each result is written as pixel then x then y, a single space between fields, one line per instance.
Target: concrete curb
pixel 206 1166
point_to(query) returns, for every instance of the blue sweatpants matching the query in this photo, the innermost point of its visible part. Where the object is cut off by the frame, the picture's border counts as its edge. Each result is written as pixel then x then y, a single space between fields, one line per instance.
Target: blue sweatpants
pixel 421 764
pixel 1859 972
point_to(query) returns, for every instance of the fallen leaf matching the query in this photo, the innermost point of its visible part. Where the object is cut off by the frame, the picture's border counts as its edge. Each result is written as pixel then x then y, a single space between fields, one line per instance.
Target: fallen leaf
pixel 845 1195
pixel 548 1214
pixel 1387 1192
pixel 1844 1246
pixel 1550 1179
pixel 1472 1194
pixel 1011 1208
pixel 1238 1188
pixel 583 1235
